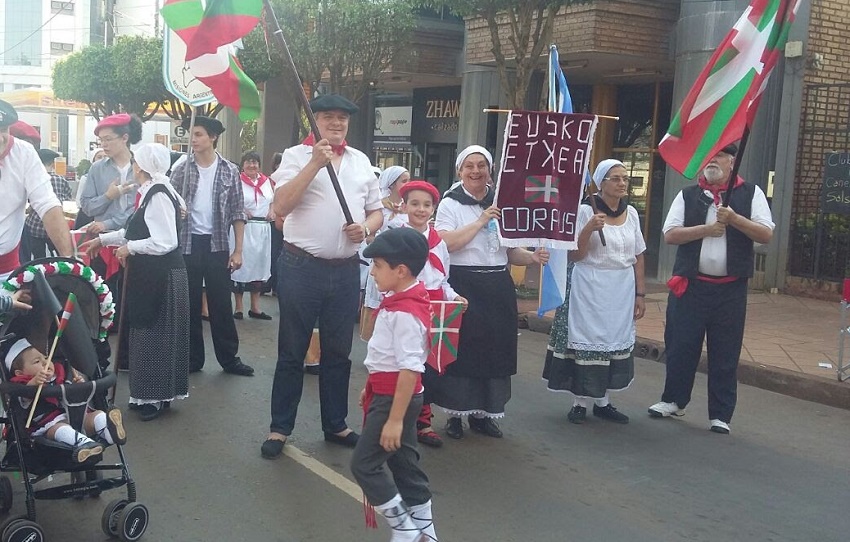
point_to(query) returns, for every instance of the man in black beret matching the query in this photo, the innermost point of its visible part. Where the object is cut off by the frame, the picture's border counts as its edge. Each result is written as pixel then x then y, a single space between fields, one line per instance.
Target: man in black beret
pixel 708 291
pixel 35 242
pixel 212 189
pixel 24 179
pixel 319 269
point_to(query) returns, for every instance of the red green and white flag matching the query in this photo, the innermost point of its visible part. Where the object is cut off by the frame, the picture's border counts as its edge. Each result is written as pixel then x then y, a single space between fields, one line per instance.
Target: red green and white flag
pixel 67 310
pixel 210 35
pixel 542 188
pixel 445 333
pixel 726 95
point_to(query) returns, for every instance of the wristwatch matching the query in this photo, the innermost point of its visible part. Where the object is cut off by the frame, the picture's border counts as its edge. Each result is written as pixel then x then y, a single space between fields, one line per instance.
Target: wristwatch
pixel 367 230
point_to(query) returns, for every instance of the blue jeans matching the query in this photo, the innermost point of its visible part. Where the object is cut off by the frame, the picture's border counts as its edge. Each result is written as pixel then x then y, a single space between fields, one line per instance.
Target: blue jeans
pixel 310 290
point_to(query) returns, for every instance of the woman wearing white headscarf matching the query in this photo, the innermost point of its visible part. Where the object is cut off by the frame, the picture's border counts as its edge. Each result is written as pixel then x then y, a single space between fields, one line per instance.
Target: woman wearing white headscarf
pixel 390 181
pixel 593 335
pixel 478 383
pixel 157 287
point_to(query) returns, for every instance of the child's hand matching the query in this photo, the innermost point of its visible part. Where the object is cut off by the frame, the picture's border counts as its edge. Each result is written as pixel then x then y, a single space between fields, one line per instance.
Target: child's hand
pixel 77 378
pixel 21 300
pixel 464 301
pixel 362 397
pixel 42 377
pixel 391 436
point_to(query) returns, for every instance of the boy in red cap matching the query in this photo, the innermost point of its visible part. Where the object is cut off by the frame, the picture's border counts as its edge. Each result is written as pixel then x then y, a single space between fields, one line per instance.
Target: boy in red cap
pixel 420 200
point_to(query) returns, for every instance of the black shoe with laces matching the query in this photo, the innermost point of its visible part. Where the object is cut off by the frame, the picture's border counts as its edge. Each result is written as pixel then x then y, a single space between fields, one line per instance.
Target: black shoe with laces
pixel 610 413
pixel 577 414
pixel 454 428
pixel 485 426
pixel 239 368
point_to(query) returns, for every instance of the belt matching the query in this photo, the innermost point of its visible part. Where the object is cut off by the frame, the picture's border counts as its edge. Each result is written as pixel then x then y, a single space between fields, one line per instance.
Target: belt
pixel 479 268
pixel 335 262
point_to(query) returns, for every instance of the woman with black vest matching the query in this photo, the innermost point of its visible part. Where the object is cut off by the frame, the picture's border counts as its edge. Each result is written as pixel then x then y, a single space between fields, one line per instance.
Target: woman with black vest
pixel 157 287
pixel 708 291
pixel 591 347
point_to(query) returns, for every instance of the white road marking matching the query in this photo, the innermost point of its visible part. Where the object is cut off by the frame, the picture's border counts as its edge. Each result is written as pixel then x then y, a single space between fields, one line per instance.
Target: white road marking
pixel 324 472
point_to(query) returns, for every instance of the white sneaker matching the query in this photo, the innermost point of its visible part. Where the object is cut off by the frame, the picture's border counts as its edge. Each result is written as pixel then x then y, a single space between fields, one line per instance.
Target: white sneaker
pixel 718 426
pixel 663 410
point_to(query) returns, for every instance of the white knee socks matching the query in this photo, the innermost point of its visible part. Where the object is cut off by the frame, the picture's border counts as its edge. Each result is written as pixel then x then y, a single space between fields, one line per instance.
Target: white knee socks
pixel 100 427
pixel 423 519
pixel 400 520
pixel 66 435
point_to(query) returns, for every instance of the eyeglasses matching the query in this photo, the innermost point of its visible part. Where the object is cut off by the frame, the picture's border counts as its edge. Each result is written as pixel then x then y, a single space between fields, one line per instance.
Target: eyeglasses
pixel 109 139
pixel 618 179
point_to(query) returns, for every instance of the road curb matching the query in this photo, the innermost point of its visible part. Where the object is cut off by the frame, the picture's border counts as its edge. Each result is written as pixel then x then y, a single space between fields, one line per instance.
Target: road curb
pixel 802 386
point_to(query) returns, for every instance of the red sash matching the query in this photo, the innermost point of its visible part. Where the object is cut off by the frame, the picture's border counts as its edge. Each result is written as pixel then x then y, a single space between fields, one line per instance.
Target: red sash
pixel 11 261
pixel 257 186
pixel 310 140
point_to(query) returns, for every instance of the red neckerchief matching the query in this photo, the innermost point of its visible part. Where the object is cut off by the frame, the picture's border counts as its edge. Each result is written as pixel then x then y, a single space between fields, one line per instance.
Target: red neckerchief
pixel 434 240
pixel 58 378
pixel 138 199
pixel 310 140
pixel 256 185
pixel 9 144
pixel 717 189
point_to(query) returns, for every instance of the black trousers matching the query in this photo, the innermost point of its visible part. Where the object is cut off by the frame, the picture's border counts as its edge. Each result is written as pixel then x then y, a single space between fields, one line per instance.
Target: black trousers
pixel 210 270
pixel 715 313
pixel 382 474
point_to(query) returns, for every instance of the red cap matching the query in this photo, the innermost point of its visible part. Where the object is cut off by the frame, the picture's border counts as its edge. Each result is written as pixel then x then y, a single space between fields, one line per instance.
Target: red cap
pixel 23 130
pixel 419 184
pixel 121 119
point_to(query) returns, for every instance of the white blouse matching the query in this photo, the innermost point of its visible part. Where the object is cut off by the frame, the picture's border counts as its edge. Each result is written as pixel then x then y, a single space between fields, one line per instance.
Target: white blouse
pixel 160 220
pixel 257 205
pixel 452 215
pixel 623 243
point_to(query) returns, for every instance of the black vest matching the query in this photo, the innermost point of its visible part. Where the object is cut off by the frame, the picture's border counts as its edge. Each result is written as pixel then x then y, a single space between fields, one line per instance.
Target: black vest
pixel 147 275
pixel 739 247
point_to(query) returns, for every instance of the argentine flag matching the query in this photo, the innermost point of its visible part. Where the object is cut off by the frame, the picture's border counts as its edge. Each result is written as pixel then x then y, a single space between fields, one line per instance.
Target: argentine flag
pixel 553 279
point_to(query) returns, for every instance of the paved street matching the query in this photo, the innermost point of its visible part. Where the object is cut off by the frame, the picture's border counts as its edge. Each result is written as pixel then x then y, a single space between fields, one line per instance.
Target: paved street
pixel 781 476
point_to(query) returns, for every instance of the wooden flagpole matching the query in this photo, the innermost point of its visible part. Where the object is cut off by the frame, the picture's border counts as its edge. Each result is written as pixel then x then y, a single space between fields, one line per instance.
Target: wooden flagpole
pixel 736 167
pixel 289 63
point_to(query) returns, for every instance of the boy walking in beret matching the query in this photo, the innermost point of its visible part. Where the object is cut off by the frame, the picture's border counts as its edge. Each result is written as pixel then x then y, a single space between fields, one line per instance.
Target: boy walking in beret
pixel 386 460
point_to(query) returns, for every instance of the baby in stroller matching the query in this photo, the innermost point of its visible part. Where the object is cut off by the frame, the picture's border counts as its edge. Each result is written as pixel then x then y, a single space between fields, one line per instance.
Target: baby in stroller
pixel 28 366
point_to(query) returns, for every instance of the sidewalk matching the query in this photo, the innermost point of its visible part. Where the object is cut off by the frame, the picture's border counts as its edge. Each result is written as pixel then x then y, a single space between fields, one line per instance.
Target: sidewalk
pixel 786 340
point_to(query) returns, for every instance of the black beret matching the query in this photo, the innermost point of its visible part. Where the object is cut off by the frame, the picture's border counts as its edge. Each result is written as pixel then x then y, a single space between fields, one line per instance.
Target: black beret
pixel 402 245
pixel 730 149
pixel 47 155
pixel 333 102
pixel 212 126
pixel 8 115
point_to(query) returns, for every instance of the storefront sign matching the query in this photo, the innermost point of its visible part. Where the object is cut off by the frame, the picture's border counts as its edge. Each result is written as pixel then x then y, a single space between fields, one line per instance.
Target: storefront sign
pixel 436 115
pixel 392 125
pixel 835 195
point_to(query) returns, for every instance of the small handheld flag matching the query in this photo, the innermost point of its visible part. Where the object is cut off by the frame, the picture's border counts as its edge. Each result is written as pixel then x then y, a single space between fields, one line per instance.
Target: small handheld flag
pixel 67 310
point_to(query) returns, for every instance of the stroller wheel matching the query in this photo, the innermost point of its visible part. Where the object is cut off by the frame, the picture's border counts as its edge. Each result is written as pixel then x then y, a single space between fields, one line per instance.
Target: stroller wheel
pixel 5 494
pixel 111 515
pixel 22 530
pixel 133 522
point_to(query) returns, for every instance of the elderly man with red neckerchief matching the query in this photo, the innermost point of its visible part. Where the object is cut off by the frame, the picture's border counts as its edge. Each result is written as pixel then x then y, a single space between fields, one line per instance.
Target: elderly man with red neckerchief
pixel 22 178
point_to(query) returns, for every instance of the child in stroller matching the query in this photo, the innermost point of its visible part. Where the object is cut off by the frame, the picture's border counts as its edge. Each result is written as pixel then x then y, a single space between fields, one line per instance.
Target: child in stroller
pixel 29 366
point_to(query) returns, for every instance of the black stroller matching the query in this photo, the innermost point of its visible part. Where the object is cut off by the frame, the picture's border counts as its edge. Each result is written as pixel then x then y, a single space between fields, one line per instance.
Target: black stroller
pixel 82 347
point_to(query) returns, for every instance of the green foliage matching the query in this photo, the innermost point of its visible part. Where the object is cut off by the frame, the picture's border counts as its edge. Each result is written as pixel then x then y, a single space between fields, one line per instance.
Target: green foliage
pixel 529 23
pixel 345 43
pixel 83 167
pixel 125 77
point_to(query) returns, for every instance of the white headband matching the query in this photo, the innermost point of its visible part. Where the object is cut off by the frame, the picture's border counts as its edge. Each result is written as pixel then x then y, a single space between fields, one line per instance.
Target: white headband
pixel 473 149
pixel 603 168
pixel 15 351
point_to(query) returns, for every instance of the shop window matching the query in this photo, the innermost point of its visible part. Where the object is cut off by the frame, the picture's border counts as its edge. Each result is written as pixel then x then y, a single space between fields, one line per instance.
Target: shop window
pixel 58 48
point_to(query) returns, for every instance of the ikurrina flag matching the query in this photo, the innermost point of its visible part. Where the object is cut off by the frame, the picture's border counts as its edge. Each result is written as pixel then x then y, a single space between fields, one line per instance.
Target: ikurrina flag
pixel 210 36
pixel 541 180
pixel 445 333
pixel 726 95
pixel 67 310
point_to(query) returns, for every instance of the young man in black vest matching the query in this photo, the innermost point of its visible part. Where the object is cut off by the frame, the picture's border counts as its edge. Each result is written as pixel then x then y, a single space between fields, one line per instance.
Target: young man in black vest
pixel 708 291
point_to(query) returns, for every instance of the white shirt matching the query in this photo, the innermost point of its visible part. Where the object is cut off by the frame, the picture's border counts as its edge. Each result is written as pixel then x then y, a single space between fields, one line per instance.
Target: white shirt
pixel 431 277
pixel 712 256
pixel 452 215
pixel 398 342
pixel 316 223
pixel 623 243
pixel 161 223
pixel 202 206
pixel 257 205
pixel 22 178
